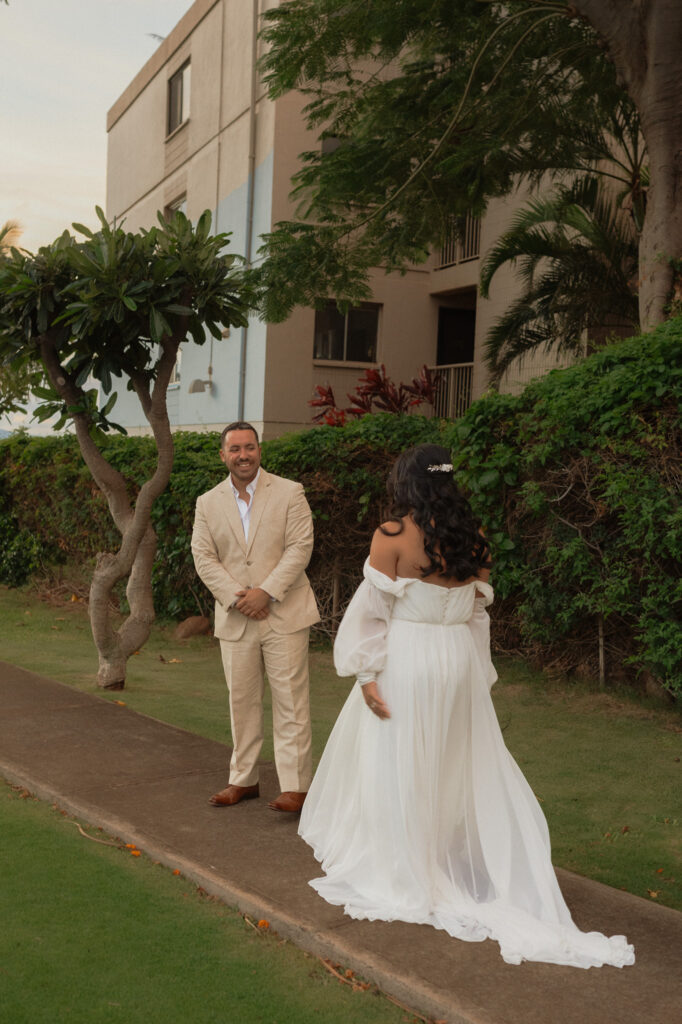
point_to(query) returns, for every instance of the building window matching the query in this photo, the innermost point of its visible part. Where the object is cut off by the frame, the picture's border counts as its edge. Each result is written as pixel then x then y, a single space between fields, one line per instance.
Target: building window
pixel 178 205
pixel 350 338
pixel 178 97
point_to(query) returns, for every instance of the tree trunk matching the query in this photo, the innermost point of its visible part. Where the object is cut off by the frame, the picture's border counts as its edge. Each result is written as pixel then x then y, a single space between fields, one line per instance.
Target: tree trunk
pixel 114 647
pixel 135 556
pixel 661 118
pixel 644 40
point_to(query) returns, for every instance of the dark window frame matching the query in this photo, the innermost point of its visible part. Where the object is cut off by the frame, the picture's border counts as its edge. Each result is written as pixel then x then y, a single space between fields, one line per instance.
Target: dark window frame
pixel 370 354
pixel 179 91
pixel 176 204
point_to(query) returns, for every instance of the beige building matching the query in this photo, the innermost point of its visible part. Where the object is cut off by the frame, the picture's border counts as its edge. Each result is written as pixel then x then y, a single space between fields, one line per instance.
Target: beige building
pixel 194 130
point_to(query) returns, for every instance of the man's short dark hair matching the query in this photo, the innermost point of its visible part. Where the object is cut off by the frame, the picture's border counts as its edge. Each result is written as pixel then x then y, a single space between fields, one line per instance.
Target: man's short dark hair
pixel 239 425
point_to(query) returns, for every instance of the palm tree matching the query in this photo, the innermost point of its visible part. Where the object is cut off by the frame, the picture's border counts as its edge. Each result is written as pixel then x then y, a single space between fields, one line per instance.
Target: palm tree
pixel 9 234
pixel 15 375
pixel 576 252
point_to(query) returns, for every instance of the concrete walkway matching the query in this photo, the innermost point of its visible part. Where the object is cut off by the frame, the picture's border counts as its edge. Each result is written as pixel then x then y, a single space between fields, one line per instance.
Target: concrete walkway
pixel 149 783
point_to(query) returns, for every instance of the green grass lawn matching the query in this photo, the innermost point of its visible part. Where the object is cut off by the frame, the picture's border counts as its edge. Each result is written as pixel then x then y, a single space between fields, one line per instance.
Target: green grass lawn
pixel 606 767
pixel 93 935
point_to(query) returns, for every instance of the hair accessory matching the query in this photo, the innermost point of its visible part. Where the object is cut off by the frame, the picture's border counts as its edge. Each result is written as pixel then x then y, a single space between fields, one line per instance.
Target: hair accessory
pixel 443 467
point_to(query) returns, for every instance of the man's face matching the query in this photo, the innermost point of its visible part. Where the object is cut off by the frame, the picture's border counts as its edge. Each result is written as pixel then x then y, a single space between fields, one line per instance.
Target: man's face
pixel 241 454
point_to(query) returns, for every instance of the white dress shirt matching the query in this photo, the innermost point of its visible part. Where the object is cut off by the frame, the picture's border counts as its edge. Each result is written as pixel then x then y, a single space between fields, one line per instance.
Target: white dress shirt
pixel 243 506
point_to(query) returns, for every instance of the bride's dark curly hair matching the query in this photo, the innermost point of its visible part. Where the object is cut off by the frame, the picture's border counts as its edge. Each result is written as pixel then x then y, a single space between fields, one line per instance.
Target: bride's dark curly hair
pixel 453 542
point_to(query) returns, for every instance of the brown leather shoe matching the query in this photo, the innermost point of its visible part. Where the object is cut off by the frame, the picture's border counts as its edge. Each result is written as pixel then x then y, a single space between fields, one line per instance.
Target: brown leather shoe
pixel 292 802
pixel 233 794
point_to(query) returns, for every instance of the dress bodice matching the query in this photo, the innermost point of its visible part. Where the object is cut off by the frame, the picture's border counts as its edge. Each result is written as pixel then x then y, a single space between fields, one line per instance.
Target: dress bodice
pixel 427 602
pixel 361 642
pixel 415 600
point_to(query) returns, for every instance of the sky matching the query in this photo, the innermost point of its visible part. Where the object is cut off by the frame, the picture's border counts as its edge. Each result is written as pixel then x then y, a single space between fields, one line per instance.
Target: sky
pixel 63 63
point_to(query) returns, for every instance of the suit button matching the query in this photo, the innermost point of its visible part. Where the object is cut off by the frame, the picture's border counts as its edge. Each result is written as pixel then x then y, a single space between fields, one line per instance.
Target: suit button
pixel 249 563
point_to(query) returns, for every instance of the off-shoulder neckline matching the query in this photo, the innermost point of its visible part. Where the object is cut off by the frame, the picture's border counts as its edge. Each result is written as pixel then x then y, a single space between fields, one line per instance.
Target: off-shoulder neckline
pixel 415 579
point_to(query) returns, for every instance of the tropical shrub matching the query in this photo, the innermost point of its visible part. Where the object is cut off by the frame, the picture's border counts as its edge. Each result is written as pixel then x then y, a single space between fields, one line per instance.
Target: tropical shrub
pixel 577 482
pixel 579 479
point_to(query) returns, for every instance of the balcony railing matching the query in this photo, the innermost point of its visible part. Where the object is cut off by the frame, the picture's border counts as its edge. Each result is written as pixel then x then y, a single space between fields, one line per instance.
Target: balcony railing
pixel 461 242
pixel 453 396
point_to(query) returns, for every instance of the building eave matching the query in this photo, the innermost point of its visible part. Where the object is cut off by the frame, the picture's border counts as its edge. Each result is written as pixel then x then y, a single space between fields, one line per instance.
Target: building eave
pixel 172 42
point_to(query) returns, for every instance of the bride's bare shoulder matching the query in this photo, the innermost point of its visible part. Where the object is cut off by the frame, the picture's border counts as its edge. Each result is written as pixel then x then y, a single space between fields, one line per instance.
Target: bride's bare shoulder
pixel 386 546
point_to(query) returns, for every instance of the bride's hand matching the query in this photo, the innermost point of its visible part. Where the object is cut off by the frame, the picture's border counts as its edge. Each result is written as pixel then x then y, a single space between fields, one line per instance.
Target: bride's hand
pixel 370 692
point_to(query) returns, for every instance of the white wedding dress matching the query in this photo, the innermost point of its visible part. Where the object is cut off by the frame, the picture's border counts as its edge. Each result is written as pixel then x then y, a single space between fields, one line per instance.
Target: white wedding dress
pixel 426 817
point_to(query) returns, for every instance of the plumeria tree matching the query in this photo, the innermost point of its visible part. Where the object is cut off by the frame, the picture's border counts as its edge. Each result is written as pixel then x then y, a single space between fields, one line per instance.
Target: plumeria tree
pixel 115 307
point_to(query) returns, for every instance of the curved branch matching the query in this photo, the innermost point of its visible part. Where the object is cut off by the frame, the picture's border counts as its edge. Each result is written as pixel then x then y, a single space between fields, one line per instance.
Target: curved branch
pixel 109 480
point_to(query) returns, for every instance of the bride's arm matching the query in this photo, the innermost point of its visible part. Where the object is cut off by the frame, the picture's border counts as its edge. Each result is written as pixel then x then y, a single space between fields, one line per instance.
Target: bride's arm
pixel 483 576
pixel 360 644
pixel 479 625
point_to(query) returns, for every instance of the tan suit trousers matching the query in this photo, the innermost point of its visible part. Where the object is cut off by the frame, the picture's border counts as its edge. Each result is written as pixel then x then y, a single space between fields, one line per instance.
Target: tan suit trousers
pixel 284 657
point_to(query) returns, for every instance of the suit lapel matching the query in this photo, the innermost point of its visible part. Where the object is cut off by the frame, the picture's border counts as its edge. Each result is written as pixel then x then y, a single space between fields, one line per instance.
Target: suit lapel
pixel 259 501
pixel 232 513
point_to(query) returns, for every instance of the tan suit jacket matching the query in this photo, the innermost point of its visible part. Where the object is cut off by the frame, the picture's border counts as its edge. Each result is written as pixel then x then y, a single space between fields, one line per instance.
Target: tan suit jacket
pixel 274 558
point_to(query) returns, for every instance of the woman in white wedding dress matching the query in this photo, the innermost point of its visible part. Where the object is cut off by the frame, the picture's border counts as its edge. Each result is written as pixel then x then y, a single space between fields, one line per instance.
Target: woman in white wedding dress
pixel 417 811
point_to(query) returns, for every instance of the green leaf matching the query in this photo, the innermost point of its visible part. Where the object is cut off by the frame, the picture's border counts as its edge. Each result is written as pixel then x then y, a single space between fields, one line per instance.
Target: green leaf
pixel 490 478
pixel 203 225
pixel 106 409
pixel 179 310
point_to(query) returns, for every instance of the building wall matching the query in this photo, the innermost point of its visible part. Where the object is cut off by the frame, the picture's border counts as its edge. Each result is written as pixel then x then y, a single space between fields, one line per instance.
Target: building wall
pixel 208 159
pixel 407 322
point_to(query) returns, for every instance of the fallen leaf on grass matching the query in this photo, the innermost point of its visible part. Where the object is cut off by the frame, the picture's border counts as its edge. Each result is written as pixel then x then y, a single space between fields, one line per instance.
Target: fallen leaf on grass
pixel 175 661
pixel 121 703
pixel 135 853
pixel 176 871
pixel 161 658
pixel 625 828
pixel 659 871
pixel 654 893
pixel 263 924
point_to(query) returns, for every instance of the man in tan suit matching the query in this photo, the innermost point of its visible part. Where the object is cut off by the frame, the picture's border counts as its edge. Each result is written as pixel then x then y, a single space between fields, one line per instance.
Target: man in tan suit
pixel 252 541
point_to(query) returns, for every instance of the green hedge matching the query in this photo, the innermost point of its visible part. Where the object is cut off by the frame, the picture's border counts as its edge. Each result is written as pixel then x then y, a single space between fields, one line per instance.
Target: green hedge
pixel 580 477
pixel 577 482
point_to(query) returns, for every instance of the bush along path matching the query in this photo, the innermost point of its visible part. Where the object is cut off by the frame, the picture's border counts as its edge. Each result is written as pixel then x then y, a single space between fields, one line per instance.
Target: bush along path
pixel 577 482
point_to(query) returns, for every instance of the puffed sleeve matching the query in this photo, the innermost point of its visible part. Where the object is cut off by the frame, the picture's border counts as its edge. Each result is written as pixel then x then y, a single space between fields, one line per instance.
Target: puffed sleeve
pixel 479 627
pixel 360 644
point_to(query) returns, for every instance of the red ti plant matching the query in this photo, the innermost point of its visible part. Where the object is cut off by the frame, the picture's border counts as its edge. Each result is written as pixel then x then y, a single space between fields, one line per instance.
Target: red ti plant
pixel 376 390
pixel 326 403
